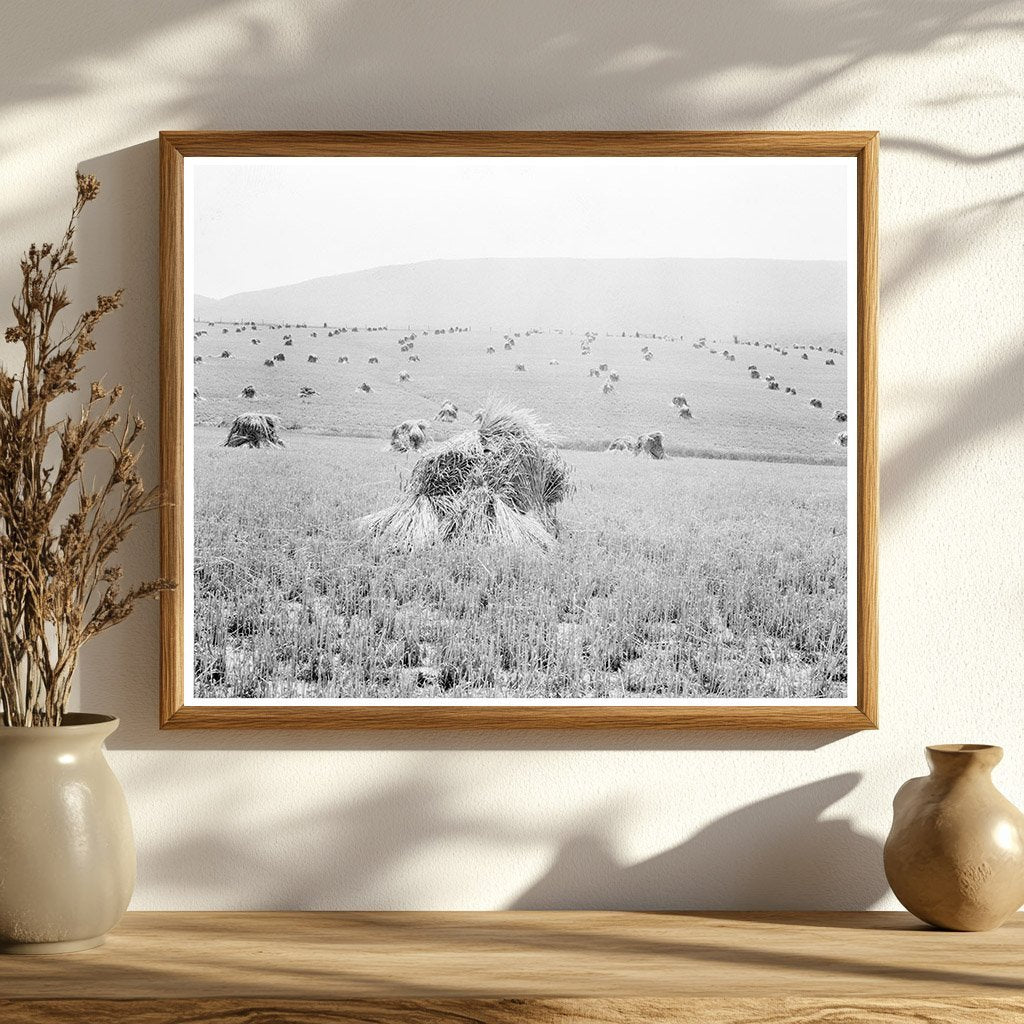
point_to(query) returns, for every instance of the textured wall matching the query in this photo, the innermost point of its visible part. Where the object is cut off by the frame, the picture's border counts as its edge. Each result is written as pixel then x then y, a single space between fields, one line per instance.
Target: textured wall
pixel 463 821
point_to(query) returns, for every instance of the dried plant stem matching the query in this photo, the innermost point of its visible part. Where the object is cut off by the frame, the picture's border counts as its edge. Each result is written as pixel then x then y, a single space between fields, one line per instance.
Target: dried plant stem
pixel 58 587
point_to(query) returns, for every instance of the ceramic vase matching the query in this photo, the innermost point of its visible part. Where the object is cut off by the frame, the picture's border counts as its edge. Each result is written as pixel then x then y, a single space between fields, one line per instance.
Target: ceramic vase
pixel 67 855
pixel 955 854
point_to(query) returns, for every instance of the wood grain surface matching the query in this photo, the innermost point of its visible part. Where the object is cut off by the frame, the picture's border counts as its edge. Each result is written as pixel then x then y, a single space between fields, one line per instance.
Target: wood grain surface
pixel 176 146
pixel 523 966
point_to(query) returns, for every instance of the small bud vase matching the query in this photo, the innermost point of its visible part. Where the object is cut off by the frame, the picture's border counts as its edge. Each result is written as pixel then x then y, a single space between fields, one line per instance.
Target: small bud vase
pixel 955 854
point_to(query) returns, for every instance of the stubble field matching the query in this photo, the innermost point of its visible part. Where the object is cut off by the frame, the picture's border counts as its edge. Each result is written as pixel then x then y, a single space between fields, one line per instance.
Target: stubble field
pixel 682 578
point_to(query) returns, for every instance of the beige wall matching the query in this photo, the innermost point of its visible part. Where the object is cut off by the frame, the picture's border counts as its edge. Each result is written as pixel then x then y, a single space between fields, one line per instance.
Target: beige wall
pixel 700 820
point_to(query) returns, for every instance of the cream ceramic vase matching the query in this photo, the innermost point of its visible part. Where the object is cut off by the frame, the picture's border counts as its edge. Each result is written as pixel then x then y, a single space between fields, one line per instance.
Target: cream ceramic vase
pixel 955 855
pixel 67 856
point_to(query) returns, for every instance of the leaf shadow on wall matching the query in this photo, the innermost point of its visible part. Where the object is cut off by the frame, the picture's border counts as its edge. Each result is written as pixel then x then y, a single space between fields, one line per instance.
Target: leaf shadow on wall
pixel 372 64
pixel 297 56
pixel 991 403
pixel 401 843
pixel 777 853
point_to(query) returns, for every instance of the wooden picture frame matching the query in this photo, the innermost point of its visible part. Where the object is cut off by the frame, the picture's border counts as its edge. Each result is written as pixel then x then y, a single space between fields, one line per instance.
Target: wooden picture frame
pixel 177 147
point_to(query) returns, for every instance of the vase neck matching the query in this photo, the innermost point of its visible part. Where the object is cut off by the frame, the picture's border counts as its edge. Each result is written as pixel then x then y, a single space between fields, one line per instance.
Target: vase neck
pixel 75 729
pixel 952 760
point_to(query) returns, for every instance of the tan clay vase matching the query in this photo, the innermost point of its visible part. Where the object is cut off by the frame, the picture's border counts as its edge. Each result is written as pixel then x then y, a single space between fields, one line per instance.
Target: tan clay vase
pixel 955 855
pixel 67 857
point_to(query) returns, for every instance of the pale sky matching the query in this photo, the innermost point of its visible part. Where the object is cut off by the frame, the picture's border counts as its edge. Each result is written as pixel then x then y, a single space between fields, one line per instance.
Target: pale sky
pixel 268 221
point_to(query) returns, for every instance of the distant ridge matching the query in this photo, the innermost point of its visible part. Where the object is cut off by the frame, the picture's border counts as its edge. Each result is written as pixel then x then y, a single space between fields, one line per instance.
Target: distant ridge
pixel 777 299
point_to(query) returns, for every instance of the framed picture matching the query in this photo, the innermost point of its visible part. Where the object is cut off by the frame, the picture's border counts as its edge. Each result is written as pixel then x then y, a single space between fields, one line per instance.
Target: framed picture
pixel 519 430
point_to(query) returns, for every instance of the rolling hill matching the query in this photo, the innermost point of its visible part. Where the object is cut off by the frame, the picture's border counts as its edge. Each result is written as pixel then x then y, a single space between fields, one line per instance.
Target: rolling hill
pixel 785 301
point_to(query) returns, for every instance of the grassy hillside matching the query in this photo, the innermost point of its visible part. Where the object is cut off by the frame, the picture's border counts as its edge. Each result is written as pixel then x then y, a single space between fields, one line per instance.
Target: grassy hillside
pixel 733 415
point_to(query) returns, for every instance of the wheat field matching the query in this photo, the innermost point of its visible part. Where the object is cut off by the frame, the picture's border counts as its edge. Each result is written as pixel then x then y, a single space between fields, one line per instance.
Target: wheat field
pixel 689 577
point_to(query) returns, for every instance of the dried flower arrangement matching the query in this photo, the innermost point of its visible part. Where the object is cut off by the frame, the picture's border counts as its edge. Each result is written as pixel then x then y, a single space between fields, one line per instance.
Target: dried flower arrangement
pixel 58 532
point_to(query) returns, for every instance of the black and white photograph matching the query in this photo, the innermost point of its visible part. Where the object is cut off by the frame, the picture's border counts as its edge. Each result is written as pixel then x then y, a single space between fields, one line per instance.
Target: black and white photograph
pixel 520 430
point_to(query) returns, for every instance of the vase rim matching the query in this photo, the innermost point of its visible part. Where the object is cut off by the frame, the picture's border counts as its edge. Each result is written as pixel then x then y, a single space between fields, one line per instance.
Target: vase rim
pixel 962 748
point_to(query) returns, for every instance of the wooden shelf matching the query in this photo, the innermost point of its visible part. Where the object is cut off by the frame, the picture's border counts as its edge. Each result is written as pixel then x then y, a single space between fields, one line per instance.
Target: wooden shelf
pixel 424 968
